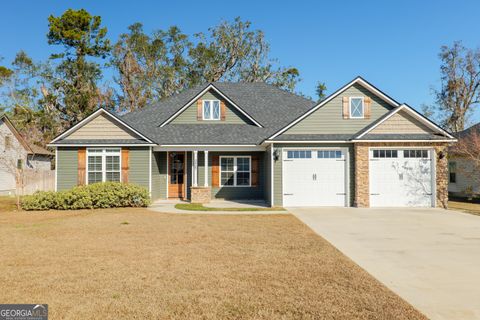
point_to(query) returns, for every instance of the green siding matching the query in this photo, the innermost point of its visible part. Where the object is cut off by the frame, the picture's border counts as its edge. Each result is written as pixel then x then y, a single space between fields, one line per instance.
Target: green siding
pixel 277 176
pixel 329 118
pixel 189 115
pixel 159 175
pixel 138 166
pixel 67 168
pixel 268 175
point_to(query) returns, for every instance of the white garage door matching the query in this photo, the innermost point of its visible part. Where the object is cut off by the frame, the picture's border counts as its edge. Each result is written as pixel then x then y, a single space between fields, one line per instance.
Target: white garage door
pixel 314 177
pixel 7 181
pixel 401 178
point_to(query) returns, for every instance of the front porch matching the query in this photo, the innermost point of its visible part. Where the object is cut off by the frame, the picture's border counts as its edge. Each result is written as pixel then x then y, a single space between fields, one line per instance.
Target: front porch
pixel 202 175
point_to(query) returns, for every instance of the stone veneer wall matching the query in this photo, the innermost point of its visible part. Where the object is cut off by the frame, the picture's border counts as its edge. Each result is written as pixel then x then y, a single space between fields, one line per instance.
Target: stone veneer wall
pixel 200 194
pixel 362 188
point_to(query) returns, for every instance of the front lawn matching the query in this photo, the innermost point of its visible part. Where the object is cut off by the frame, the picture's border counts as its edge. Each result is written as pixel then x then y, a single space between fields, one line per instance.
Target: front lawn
pixel 7 203
pixel 465 206
pixel 135 263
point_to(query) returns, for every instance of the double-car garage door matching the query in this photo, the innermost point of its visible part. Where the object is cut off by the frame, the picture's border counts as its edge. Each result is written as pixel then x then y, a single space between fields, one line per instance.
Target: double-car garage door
pixel 319 177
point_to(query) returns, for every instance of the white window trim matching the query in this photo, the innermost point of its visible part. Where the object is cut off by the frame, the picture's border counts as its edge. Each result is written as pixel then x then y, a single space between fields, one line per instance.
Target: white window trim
pixel 103 154
pixel 211 110
pixel 235 172
pixel 350 107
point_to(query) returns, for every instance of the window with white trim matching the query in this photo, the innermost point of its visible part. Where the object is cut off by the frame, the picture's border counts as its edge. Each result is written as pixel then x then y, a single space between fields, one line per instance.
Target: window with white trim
pixel 329 154
pixel 299 154
pixel 235 171
pixel 415 153
pixel 356 107
pixel 103 164
pixel 452 172
pixel 385 153
pixel 211 109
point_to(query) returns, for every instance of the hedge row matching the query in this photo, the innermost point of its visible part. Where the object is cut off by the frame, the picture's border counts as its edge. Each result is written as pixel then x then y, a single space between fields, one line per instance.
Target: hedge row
pixel 98 195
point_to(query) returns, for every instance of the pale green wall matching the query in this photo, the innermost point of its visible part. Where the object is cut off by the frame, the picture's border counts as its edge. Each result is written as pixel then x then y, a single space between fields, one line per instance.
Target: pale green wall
pixel 159 175
pixel 328 119
pixel 139 166
pixel 189 115
pixel 67 168
pixel 277 176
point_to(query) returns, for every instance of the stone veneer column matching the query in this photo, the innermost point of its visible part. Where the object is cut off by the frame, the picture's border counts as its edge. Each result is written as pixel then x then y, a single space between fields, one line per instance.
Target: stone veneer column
pixel 442 176
pixel 362 188
pixel 200 194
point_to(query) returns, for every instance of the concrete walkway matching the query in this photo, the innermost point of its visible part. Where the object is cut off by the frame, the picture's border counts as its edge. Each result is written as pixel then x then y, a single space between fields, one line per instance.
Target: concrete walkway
pixel 430 257
pixel 168 206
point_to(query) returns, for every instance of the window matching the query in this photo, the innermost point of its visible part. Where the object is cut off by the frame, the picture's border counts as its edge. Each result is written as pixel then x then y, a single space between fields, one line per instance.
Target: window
pixel 329 154
pixel 385 153
pixel 103 165
pixel 356 107
pixel 452 171
pixel 415 153
pixel 211 110
pixel 299 154
pixel 235 171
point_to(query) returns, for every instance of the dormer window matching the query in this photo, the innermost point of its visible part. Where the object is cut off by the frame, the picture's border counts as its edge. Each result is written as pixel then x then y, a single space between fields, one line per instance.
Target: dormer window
pixel 356 108
pixel 211 109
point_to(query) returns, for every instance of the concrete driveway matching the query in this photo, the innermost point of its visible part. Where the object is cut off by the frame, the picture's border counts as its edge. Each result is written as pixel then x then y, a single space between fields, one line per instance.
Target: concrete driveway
pixel 429 257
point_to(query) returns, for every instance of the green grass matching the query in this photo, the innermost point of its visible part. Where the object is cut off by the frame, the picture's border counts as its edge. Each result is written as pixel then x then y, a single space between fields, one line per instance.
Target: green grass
pixel 200 207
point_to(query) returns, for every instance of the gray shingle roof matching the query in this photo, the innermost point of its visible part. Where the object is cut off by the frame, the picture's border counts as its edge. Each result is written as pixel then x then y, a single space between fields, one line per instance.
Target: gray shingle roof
pixel 101 141
pixel 273 108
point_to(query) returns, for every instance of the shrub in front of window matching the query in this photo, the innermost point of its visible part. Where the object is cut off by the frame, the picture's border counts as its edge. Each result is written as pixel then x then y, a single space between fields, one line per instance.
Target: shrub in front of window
pixel 93 196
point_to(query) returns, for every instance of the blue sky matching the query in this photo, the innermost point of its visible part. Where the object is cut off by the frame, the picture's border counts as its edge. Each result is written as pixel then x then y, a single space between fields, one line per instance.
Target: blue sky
pixel 393 44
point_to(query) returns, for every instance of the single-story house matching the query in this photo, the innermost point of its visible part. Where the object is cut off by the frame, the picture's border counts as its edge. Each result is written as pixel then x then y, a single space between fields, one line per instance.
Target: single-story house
pixel 357 147
pixel 16 152
pixel 464 178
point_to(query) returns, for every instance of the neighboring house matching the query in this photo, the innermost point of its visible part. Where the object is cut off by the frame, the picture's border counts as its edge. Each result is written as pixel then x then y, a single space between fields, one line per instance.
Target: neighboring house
pixel 15 153
pixel 464 180
pixel 358 147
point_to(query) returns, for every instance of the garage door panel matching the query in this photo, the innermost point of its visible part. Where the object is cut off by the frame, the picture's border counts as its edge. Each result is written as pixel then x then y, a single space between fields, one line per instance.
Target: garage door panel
pixel 401 181
pixel 315 181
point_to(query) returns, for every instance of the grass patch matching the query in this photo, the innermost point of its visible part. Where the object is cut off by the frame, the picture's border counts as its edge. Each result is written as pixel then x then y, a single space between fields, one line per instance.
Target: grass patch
pixel 85 265
pixel 200 207
pixel 8 203
pixel 465 206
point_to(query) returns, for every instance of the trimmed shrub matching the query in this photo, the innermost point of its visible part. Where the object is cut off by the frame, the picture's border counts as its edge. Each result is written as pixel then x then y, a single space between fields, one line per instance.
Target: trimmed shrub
pixel 98 195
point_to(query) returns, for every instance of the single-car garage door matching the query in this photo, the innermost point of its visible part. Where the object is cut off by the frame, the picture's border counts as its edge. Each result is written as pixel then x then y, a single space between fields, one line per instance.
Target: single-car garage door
pixel 314 177
pixel 401 178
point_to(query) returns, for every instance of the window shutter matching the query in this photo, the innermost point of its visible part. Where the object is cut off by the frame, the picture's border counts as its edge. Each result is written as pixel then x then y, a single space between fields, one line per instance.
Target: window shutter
pixel 254 171
pixel 82 161
pixel 125 165
pixel 368 109
pixel 346 108
pixel 223 110
pixel 215 171
pixel 199 110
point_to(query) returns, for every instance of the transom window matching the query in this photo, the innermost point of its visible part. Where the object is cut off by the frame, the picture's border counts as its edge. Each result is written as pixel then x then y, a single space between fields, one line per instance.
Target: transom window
pixel 299 154
pixel 235 171
pixel 415 153
pixel 356 107
pixel 329 154
pixel 385 153
pixel 103 165
pixel 211 109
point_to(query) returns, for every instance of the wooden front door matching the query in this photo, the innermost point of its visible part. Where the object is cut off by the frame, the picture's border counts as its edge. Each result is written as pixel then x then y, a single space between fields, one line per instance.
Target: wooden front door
pixel 176 175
